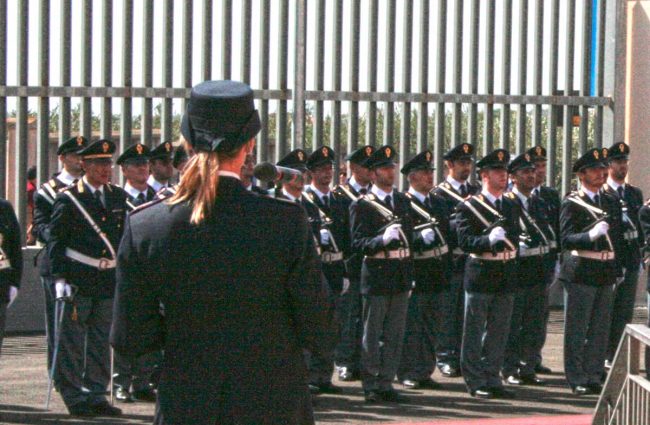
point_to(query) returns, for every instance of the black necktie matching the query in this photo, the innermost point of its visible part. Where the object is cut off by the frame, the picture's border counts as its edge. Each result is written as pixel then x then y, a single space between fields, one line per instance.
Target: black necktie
pixel 140 199
pixel 363 191
pixel 427 202
pixel 498 204
pixel 621 192
pixel 98 197
pixel 597 199
pixel 388 201
pixel 463 190
pixel 326 201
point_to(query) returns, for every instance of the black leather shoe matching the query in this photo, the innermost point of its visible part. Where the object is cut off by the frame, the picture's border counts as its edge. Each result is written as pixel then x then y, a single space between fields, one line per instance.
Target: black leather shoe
pixel 123 395
pixel 580 390
pixel 347 375
pixel 147 394
pixel 81 409
pixel 411 383
pixel 390 396
pixel 328 388
pixel 500 392
pixel 595 388
pixel 449 371
pixel 105 409
pixel 543 370
pixel 313 389
pixel 483 393
pixel 531 380
pixel 514 380
pixel 371 396
pixel 429 384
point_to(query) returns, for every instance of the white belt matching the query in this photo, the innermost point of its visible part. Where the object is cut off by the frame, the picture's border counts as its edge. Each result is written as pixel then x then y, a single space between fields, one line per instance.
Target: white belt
pixel 5 264
pixel 499 256
pixel 98 263
pixel 436 252
pixel 594 255
pixel 531 252
pixel 630 235
pixel 330 257
pixel 458 251
pixel 396 254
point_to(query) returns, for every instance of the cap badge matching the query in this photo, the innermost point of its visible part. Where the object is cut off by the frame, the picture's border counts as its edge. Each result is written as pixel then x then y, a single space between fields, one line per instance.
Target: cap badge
pixel 368 151
pixel 538 150
pixel 80 141
pixel 596 154
pixel 388 152
pixel 605 152
pixel 466 148
pixel 621 147
pixel 301 156
pixel 139 149
pixel 527 157
pixel 428 156
pixel 325 152
pixel 105 147
pixel 500 156
pixel 168 146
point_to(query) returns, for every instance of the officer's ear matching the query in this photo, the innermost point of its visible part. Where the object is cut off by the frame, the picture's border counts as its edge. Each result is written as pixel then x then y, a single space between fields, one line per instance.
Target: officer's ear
pixel 249 147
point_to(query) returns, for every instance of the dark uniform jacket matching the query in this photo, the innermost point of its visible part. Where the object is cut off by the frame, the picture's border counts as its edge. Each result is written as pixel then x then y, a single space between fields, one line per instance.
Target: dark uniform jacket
pixel 337 212
pixel 69 229
pixel 575 223
pixel 11 272
pixel 43 206
pixel 353 259
pixel 134 202
pixel 431 274
pixel 481 275
pixel 630 253
pixel 242 298
pixel 644 222
pixel 551 198
pixel 381 276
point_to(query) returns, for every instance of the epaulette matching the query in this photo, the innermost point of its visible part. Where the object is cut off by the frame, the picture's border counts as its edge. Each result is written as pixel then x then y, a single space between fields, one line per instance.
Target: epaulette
pixel 309 194
pixel 647 202
pixel 110 187
pixel 146 205
pixel 445 184
pixel 369 197
pixel 511 195
pixel 80 186
pixel 52 183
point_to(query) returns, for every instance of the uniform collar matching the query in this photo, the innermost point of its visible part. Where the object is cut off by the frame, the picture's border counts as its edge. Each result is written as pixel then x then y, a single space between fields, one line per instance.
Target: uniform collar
pixel 65 177
pixel 421 197
pixel 356 186
pixel 132 191
pixel 455 183
pixel 151 181
pixel 230 174
pixel 318 193
pixel 380 193
pixel 92 188
pixel 611 183
pixel 288 195
pixel 490 197
pixel 589 193
pixel 524 199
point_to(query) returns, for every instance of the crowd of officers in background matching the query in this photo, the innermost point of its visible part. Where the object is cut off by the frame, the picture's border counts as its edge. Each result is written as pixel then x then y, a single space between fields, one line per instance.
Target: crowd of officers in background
pixel 454 276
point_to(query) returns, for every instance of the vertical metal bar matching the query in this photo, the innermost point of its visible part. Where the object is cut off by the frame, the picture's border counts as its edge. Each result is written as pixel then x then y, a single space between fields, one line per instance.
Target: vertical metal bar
pixel 335 131
pixel 353 121
pixel 43 132
pixel 586 73
pixel 506 73
pixel 265 35
pixel 319 72
pixel 600 67
pixel 226 40
pixel 538 70
pixel 22 136
pixel 127 73
pixel 551 148
pixel 147 71
pixel 206 41
pixel 188 15
pixel 247 16
pixel 86 66
pixel 568 86
pixel 405 125
pixel 283 43
pixel 390 72
pixel 475 19
pixel 457 117
pixel 423 67
pixel 65 70
pixel 106 123
pixel 373 34
pixel 3 100
pixel 522 116
pixel 300 75
pixel 167 59
pixel 615 66
pixel 441 60
pixel 488 121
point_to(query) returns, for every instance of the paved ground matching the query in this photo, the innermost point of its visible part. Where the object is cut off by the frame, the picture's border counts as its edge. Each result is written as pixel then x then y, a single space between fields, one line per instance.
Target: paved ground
pixel 23 384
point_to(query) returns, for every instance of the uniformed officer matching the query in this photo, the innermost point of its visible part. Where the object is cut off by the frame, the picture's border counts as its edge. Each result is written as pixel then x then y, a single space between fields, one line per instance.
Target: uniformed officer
pixel 162 170
pixel 43 203
pixel 179 160
pixel 134 162
pixel 630 200
pixel 644 222
pixel 488 229
pixel 11 261
pixel 430 298
pixel 459 162
pixel 86 227
pixel 529 309
pixel 590 228
pixel 334 241
pixel 247 175
pixel 381 232
pixel 551 198
pixel 348 353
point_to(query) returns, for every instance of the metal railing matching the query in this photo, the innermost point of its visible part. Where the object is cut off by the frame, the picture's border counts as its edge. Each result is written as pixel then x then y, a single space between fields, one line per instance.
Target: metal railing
pixel 298 45
pixel 625 399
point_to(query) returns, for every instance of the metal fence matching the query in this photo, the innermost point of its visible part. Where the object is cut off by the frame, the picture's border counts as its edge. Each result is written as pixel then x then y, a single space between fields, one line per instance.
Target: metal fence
pixel 449 48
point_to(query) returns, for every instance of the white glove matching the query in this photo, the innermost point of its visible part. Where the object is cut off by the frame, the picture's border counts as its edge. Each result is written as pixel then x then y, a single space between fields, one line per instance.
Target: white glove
pixel 62 289
pixel 346 286
pixel 391 233
pixel 428 236
pixel 13 292
pixel 600 229
pixel 497 234
pixel 324 237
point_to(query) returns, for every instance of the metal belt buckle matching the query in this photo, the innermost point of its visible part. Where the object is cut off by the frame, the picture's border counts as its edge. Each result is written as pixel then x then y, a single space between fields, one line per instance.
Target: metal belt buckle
pixel 103 264
pixel 437 252
pixel 402 253
pixel 604 255
pixel 327 257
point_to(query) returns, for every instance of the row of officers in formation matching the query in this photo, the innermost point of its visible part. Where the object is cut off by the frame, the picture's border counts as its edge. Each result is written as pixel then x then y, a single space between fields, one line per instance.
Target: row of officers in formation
pixel 453 276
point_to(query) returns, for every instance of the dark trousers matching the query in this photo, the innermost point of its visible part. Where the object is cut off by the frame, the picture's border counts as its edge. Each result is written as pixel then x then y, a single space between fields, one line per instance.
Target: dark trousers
pixel 526 325
pixel 83 369
pixel 549 278
pixel 48 296
pixel 321 366
pixel 622 308
pixel 348 351
pixel 451 335
pixel 587 319
pixel 487 325
pixel 424 319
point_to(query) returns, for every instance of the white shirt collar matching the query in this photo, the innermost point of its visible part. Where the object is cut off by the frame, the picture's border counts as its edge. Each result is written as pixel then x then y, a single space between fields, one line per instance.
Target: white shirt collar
pixel 455 183
pixel 589 193
pixel 66 177
pixel 92 188
pixel 490 197
pixel 421 197
pixel 132 191
pixel 320 194
pixel 229 174
pixel 613 184
pixel 356 186
pixel 380 193
pixel 288 195
pixel 524 198
pixel 151 181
